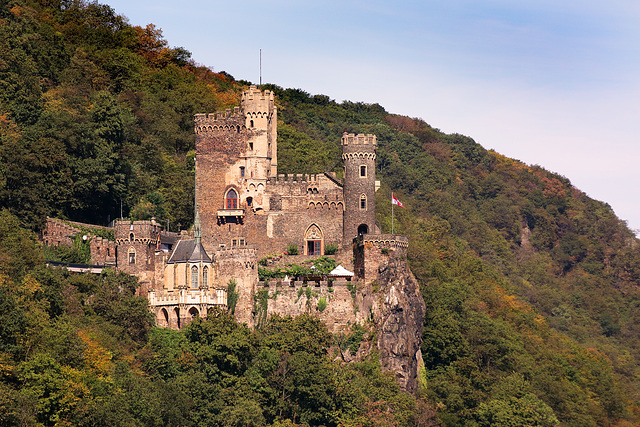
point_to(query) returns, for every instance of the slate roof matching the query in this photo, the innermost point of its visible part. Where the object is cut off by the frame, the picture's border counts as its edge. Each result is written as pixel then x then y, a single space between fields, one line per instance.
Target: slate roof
pixel 169 238
pixel 189 251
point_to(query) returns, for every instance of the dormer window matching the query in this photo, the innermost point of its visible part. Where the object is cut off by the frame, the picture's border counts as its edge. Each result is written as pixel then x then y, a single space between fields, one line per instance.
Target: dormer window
pixel 231 200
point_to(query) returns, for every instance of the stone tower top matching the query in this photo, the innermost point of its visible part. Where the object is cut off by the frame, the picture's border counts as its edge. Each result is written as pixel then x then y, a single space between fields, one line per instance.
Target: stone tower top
pixel 256 101
pixel 359 141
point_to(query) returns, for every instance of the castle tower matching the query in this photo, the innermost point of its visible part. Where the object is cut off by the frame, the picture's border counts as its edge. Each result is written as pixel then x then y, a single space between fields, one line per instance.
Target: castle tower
pixel 261 117
pixel 235 156
pixel 359 157
pixel 136 244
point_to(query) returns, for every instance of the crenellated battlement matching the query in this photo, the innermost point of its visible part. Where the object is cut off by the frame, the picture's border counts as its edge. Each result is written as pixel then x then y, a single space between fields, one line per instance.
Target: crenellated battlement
pixel 221 121
pixel 391 241
pixel 360 139
pixel 294 178
pixel 254 95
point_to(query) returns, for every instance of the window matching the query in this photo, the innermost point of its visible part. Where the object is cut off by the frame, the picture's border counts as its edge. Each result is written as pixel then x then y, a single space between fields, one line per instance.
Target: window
pixel 251 123
pixel 241 171
pixel 251 146
pixel 363 202
pixel 205 276
pixel 132 256
pixel 194 277
pixel 249 201
pixel 232 199
pixel 314 247
pixel 363 171
pixel 131 237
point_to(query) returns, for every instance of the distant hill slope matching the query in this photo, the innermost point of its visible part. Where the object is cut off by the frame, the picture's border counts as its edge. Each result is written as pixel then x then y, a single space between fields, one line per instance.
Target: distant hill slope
pixel 531 287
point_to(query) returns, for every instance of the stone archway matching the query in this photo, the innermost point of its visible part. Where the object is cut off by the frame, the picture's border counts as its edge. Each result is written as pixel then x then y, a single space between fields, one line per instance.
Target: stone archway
pixel 174 318
pixel 162 318
pixel 192 313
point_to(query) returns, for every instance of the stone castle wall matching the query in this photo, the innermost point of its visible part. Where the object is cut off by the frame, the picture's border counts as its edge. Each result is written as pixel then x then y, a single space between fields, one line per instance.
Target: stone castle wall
pixel 58 232
pixel 296 298
pixel 240 265
pixel 372 251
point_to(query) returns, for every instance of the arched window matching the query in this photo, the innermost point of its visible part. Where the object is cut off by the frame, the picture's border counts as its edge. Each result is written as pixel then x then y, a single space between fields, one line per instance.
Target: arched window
pixel 313 239
pixel 131 237
pixel 205 276
pixel 132 256
pixel 363 202
pixel 231 199
pixel 251 123
pixel 194 277
pixel 363 171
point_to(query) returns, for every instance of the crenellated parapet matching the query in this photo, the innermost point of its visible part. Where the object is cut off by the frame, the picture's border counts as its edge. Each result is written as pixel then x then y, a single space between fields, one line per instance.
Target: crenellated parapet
pixel 221 121
pixel 366 142
pixel 373 250
pixel 245 256
pixel 390 241
pixel 141 232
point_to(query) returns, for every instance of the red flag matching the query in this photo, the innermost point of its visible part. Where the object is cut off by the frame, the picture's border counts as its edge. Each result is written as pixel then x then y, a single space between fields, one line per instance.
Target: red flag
pixel 396 201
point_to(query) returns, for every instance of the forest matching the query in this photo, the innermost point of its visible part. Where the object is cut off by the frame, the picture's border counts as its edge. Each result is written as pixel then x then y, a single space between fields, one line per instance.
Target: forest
pixel 531 287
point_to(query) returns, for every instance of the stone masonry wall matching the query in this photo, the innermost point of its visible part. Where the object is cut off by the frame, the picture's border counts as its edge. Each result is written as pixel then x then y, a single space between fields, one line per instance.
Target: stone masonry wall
pixel 238 264
pixel 296 298
pixel 58 232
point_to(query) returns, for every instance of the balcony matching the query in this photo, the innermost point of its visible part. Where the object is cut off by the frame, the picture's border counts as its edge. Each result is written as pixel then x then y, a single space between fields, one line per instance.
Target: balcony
pixel 230 215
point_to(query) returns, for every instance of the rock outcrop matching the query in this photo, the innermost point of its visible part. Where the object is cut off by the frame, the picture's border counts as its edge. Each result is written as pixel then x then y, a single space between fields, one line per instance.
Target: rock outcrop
pixel 398 311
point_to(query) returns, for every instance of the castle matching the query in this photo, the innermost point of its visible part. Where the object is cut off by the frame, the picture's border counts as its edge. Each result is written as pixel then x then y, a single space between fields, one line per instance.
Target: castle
pixel 245 212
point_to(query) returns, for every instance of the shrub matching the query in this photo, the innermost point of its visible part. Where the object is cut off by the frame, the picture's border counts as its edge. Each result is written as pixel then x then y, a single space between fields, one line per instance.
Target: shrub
pixel 322 304
pixel 330 249
pixel 232 296
pixel 292 249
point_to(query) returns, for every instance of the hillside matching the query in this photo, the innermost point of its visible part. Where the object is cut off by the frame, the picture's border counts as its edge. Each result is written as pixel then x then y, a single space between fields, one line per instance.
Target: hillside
pixel 531 287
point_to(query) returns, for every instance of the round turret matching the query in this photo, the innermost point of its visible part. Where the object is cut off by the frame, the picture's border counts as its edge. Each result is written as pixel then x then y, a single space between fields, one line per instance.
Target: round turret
pixel 359 157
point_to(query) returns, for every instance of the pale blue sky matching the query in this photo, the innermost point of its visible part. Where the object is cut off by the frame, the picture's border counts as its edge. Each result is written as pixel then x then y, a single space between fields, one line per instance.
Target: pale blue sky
pixel 554 83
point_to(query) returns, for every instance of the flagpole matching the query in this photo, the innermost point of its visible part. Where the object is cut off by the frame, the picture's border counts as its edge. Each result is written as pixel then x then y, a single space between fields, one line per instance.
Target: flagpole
pixel 392 212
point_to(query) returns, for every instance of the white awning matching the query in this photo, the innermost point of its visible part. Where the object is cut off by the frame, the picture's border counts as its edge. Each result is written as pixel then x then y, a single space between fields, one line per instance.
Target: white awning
pixel 341 271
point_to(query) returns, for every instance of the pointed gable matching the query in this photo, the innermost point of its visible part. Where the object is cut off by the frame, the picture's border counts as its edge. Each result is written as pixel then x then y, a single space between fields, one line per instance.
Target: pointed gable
pixel 189 251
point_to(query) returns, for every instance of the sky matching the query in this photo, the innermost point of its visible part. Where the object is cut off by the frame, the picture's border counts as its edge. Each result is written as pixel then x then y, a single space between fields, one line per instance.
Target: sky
pixel 547 82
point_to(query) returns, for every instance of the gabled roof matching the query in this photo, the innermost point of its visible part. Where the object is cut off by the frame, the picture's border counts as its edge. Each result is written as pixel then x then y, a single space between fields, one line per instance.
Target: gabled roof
pixel 189 251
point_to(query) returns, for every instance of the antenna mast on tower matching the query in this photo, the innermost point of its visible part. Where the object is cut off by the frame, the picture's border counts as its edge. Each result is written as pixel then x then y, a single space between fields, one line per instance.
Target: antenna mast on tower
pixel 260 67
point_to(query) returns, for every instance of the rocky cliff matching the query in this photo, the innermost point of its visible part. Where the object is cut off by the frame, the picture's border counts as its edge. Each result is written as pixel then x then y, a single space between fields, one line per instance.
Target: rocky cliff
pixel 398 310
